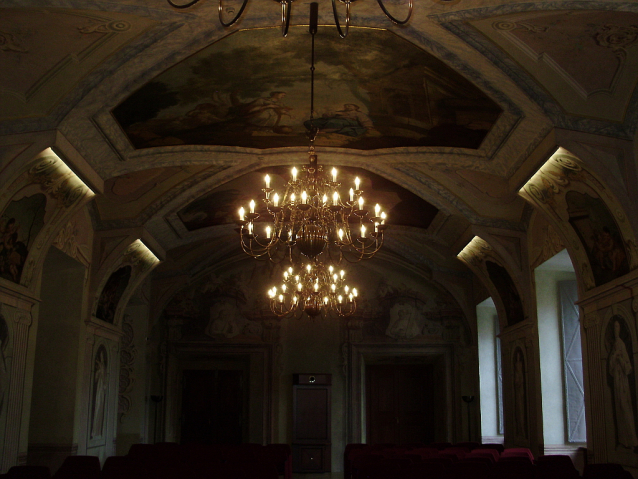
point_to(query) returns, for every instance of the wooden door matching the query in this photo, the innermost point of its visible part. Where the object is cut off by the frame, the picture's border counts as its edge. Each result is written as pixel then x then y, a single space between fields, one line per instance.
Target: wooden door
pixel 399 404
pixel 213 404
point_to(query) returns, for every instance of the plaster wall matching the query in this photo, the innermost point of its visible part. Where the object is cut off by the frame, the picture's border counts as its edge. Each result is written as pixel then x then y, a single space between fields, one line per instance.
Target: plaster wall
pixel 132 422
pixel 53 425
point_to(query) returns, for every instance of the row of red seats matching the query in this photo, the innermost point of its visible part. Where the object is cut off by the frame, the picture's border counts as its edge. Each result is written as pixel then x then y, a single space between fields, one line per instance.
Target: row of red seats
pixel 464 461
pixel 173 461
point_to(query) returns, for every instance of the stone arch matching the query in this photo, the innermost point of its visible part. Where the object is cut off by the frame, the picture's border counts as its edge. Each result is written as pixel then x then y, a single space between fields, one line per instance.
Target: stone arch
pixel 43 194
pixel 587 215
pixel 129 265
pixel 477 255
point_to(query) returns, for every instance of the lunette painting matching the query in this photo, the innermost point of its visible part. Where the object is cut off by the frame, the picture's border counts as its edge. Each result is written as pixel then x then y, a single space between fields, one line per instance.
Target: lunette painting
pixel 112 293
pixel 252 89
pixel 507 291
pixel 599 233
pixel 20 223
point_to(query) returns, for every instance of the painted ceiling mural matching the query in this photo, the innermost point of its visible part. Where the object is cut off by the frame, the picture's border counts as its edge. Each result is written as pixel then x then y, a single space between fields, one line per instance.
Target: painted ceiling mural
pixel 252 89
pixel 220 206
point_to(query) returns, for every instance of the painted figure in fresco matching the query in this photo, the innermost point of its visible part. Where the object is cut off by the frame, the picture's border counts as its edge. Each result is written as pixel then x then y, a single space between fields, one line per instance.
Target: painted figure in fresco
pixel 403 322
pixel 519 393
pixel 99 385
pixel 607 251
pixel 227 320
pixel 13 253
pixel 112 293
pixel 619 365
pixel 4 373
pixel 350 121
pixel 263 113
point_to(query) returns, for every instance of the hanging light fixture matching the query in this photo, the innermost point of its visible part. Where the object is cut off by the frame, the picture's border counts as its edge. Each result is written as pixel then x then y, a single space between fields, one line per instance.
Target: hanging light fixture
pixel 312 217
pixel 286 7
pixel 313 289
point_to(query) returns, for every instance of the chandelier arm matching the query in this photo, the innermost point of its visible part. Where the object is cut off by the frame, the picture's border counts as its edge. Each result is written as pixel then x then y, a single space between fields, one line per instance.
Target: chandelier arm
pixel 393 19
pixel 342 34
pixel 221 20
pixel 285 16
pixel 185 5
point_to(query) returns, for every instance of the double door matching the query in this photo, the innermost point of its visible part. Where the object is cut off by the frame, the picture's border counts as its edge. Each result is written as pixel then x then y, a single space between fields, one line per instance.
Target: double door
pixel 400 404
pixel 213 406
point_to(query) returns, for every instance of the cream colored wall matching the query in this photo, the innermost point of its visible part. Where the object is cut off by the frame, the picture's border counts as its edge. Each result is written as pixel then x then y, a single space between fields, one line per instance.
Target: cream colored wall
pixel 132 426
pixel 54 422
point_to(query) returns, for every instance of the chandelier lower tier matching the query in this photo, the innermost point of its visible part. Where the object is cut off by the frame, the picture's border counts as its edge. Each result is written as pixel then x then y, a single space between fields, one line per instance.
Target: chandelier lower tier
pixel 312 218
pixel 313 289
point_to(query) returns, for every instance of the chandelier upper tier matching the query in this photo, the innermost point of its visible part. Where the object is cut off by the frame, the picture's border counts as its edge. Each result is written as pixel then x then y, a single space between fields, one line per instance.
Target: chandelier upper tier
pixel 286 8
pixel 311 218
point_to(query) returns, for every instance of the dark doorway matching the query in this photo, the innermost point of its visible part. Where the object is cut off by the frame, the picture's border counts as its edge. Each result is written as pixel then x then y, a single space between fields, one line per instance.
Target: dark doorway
pixel 400 400
pixel 213 405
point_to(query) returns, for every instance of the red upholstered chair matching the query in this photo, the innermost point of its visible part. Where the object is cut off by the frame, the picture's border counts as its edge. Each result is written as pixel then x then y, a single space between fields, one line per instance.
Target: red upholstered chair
pixel 122 467
pixel 281 455
pixel 490 453
pixel 556 467
pixel 446 462
pixel 604 471
pixel 456 453
pixel 28 472
pixel 363 463
pixel 514 468
pixel 142 453
pixel 258 470
pixel 79 467
pixel 392 468
pixel 428 470
pixel 518 452
pixel 468 445
pixel 472 470
pixel 440 445
pixel 498 447
pixel 351 449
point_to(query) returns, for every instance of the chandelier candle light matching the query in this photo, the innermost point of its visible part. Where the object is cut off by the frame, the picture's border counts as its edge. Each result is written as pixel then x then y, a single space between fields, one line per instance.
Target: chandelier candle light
pixel 311 289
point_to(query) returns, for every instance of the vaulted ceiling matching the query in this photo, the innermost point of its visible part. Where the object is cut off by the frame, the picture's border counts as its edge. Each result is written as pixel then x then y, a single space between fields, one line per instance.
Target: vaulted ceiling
pixel 458 107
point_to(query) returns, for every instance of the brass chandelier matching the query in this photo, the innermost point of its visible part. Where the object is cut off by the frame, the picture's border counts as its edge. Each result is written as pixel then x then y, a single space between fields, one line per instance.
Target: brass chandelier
pixel 312 217
pixel 286 8
pixel 313 289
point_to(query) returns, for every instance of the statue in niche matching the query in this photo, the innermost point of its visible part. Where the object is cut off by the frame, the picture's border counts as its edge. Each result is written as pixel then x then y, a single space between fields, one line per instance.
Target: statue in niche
pixel 520 398
pixel 227 320
pixel 619 366
pixel 4 373
pixel 99 393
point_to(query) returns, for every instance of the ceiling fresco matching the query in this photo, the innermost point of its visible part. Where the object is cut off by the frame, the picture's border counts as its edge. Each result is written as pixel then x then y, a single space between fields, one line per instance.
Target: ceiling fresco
pixel 220 206
pixel 374 91
pixel 551 45
pixel 37 72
